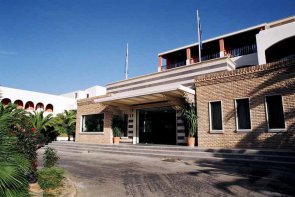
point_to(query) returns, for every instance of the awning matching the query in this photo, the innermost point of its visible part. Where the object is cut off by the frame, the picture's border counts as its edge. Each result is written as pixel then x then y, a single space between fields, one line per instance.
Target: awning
pixel 146 95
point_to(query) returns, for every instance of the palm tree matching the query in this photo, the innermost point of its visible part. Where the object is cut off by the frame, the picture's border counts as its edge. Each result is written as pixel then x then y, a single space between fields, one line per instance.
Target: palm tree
pixel 189 114
pixel 66 123
pixel 41 123
pixel 14 166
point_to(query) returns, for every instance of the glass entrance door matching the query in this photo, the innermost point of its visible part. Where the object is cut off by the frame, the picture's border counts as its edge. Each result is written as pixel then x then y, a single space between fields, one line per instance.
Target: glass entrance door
pixel 157 126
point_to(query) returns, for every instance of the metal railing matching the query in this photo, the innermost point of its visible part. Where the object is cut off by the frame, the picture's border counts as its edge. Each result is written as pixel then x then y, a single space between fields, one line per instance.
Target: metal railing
pixel 177 64
pixel 173 65
pixel 242 50
pixel 211 56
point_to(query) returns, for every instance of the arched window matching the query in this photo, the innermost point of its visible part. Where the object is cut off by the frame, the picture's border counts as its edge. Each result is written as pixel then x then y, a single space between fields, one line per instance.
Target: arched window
pixel 29 106
pixel 49 108
pixel 5 101
pixel 39 107
pixel 19 104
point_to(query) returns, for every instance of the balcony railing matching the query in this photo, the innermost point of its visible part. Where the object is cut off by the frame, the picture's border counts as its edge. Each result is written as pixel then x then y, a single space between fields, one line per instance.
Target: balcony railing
pixel 242 50
pixel 211 56
pixel 177 64
pixel 173 65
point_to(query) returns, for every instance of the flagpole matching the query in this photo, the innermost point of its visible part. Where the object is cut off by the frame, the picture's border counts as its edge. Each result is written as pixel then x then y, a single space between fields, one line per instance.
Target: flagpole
pixel 126 63
pixel 199 36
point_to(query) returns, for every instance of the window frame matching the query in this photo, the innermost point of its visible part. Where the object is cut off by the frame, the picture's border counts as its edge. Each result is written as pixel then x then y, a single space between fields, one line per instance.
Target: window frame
pixel 210 119
pixel 236 111
pixel 278 130
pixel 91 133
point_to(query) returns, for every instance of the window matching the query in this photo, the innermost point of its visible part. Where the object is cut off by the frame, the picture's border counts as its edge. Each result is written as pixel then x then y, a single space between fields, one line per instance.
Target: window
pixel 87 95
pixel 92 123
pixel 243 114
pixel 76 95
pixel 215 116
pixel 275 112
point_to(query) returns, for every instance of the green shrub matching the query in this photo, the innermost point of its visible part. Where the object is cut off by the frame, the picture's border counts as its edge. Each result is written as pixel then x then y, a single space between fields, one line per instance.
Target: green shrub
pixel 189 115
pixel 50 157
pixel 117 132
pixel 50 178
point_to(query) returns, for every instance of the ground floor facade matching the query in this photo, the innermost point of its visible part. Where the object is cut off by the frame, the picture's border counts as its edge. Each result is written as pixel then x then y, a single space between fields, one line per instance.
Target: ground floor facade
pixel 157 123
pixel 246 107
pixel 249 107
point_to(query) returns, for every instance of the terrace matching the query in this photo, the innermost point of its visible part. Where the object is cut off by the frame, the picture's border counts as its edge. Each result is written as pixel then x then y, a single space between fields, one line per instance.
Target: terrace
pixel 234 45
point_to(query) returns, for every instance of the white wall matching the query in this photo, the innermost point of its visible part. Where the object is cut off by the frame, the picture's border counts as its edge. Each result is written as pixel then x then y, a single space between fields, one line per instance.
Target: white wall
pixel 81 94
pixel 271 36
pixel 59 103
pixel 95 91
pixel 250 59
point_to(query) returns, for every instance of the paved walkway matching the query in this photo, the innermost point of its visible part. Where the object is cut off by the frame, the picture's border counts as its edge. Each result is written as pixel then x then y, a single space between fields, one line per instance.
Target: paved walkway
pixel 103 174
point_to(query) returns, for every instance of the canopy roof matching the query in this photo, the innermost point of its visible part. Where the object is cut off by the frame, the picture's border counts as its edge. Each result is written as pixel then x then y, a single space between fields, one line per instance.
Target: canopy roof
pixel 146 95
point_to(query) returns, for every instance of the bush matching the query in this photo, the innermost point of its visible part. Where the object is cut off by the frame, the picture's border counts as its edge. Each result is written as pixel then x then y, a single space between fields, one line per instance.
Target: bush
pixel 50 157
pixel 50 178
pixel 117 132
pixel 189 115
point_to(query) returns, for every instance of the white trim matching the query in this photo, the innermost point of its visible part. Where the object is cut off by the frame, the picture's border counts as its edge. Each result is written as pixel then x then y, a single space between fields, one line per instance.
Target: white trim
pixel 136 128
pixel 81 122
pixel 276 130
pixel 203 64
pixel 92 132
pixel 145 91
pixel 237 128
pixel 210 121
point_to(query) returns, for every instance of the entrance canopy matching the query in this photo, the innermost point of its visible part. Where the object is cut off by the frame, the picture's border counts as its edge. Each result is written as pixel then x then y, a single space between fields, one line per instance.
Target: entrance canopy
pixel 147 95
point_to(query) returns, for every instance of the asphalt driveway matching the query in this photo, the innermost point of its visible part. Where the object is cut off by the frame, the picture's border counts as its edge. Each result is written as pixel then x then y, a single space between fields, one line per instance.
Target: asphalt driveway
pixel 102 174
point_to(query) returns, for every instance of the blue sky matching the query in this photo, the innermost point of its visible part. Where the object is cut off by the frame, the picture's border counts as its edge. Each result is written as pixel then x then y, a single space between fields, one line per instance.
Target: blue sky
pixel 58 46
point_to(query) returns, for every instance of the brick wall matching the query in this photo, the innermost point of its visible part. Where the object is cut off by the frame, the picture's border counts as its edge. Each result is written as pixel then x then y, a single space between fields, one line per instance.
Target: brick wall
pixel 254 83
pixel 86 107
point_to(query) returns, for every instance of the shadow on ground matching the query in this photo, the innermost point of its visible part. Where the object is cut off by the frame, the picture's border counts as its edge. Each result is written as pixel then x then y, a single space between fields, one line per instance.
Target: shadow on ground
pixel 260 179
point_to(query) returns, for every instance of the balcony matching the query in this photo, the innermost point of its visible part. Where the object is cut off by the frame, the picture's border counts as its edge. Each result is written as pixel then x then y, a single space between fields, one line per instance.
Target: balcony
pixel 211 56
pixel 245 50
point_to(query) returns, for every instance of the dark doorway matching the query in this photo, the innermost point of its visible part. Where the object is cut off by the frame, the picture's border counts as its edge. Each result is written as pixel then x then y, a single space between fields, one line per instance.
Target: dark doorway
pixel 157 126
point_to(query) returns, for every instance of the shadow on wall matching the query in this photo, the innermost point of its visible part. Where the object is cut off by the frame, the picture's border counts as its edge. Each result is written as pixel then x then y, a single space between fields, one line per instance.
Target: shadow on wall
pixel 257 97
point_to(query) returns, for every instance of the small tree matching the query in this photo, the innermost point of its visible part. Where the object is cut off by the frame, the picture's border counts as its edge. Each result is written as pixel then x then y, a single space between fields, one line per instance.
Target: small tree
pixel 14 164
pixel 117 125
pixel 41 124
pixel 66 123
pixel 189 115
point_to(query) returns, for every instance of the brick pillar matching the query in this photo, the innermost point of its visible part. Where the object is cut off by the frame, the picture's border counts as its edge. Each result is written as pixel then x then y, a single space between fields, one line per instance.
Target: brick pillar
pixel 160 63
pixel 221 47
pixel 188 56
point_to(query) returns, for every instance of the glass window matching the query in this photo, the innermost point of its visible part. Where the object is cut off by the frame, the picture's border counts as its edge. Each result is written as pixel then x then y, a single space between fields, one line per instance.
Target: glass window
pixel 275 113
pixel 243 114
pixel 92 123
pixel 215 115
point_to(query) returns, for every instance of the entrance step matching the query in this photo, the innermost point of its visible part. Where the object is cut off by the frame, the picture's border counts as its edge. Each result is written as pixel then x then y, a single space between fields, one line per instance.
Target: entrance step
pixel 262 157
pixel 126 140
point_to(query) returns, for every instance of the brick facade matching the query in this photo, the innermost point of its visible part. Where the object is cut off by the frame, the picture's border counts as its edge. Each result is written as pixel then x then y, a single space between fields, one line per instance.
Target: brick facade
pixel 254 83
pixel 86 107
